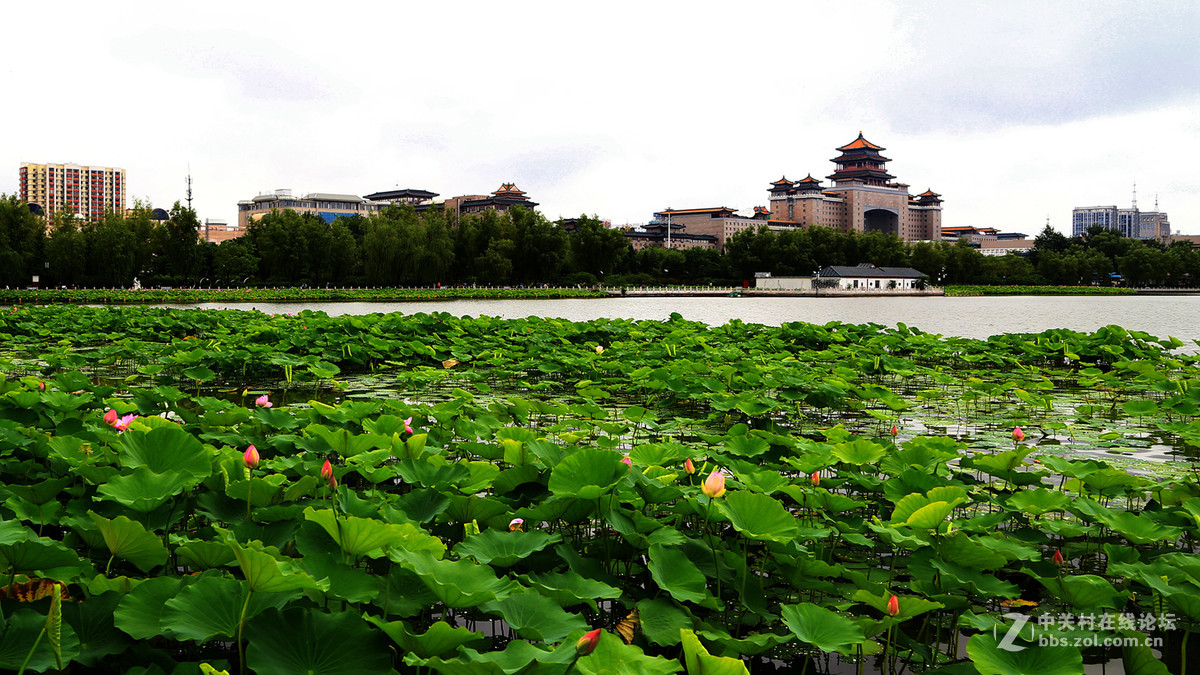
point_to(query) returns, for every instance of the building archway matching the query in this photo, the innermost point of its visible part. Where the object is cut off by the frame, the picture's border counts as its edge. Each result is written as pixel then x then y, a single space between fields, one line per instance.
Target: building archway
pixel 882 220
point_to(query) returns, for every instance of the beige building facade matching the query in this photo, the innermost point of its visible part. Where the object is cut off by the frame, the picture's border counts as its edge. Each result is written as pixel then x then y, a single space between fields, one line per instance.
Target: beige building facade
pixel 88 191
pixel 863 197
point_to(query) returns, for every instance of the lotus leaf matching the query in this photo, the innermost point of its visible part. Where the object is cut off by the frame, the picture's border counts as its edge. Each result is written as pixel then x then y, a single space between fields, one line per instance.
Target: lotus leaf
pixel 758 516
pixel 439 640
pixel 298 640
pixel 990 659
pixel 587 473
pixel 698 660
pixel 504 549
pixel 821 628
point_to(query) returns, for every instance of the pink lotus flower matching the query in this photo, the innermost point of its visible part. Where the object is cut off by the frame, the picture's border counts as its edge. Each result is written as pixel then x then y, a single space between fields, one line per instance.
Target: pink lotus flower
pixel 123 423
pixel 250 458
pixel 893 607
pixel 1018 435
pixel 895 431
pixel 627 462
pixel 1058 557
pixel 408 429
pixel 587 643
pixel 714 485
pixel 263 401
pixel 110 417
pixel 816 478
pixel 41 386
pixel 516 524
pixel 689 467
pixel 327 470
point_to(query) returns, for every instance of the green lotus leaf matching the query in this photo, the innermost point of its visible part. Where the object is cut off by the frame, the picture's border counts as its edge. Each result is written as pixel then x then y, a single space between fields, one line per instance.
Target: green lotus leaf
pixel 143 490
pixel 261 490
pixel 345 443
pixel 662 620
pixel 1084 592
pixel 440 639
pixel 93 624
pixel 357 536
pixel 1038 501
pixel 18 634
pixel 910 606
pixel 612 655
pixel 659 454
pixel 758 516
pixel 858 452
pixel 265 573
pixel 41 493
pixel 676 574
pixel 42 557
pixel 516 657
pixel 433 472
pixel 985 584
pixel 587 474
pixel 1138 658
pixel 504 549
pixel 697 659
pixel 569 588
pixel 1140 407
pixel 753 644
pixel 12 531
pixel 163 449
pixel 534 616
pixel 128 540
pixel 746 446
pixel 821 628
pixel 459 583
pixel 205 554
pixel 930 516
pixel 991 659
pixel 300 640
pixel 139 613
pixel 210 608
pixel 199 373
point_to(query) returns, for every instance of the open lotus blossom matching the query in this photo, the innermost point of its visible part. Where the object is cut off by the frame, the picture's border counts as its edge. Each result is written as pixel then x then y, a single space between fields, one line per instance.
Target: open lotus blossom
pixel 250 458
pixel 893 606
pixel 110 417
pixel 1058 557
pixel 714 485
pixel 1018 435
pixel 327 470
pixel 587 643
pixel 123 423
pixel 816 478
pixel 263 401
pixel 627 462
pixel 407 428
pixel 599 349
pixel 516 524
pixel 689 467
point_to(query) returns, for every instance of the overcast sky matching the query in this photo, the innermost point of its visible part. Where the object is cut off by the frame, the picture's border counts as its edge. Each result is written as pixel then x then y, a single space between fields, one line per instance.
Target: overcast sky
pixel 1014 111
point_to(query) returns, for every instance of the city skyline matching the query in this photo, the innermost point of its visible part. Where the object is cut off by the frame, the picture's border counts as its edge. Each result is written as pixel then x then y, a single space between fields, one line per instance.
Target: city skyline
pixel 1014 113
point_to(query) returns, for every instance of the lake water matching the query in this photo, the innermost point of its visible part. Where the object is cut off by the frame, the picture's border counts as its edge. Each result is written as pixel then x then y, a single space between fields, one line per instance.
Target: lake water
pixel 971 317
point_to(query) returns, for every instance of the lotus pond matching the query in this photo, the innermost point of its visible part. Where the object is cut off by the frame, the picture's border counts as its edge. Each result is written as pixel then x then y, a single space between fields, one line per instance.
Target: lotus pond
pixel 438 494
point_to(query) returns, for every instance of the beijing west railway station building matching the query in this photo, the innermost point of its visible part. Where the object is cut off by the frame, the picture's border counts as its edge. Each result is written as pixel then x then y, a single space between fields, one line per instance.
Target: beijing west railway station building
pixel 862 198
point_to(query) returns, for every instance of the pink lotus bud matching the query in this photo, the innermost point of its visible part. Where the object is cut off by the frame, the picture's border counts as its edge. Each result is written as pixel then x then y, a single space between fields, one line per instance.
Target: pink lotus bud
pixel 41 386
pixel 263 401
pixel 599 349
pixel 408 429
pixel 327 470
pixel 587 643
pixel 895 431
pixel 250 458
pixel 110 417
pixel 816 478
pixel 714 485
pixel 516 524
pixel 689 467
pixel 1058 557
pixel 627 462
pixel 893 606
pixel 1018 435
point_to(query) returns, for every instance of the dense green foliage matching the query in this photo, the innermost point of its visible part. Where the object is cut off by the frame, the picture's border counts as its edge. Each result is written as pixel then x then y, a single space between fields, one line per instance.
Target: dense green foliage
pixel 400 247
pixel 859 463
pixel 187 296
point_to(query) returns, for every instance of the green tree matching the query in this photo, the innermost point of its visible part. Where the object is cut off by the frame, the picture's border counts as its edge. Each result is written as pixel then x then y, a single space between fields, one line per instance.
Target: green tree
pixel 22 238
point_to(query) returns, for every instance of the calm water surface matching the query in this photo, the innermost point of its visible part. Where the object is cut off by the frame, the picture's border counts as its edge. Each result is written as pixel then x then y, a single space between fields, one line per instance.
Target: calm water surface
pixel 974 317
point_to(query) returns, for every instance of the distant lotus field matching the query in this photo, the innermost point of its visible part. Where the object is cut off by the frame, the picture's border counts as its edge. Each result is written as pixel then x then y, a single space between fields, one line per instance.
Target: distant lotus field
pixel 220 491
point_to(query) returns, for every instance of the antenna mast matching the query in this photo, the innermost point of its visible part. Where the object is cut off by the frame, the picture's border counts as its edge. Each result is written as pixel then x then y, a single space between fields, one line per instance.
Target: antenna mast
pixel 189 187
pixel 1135 196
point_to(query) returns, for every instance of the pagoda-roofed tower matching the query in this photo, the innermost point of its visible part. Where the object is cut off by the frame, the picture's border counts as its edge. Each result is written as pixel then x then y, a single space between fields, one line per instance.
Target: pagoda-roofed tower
pixel 509 191
pixel 780 186
pixel 808 184
pixel 929 198
pixel 861 162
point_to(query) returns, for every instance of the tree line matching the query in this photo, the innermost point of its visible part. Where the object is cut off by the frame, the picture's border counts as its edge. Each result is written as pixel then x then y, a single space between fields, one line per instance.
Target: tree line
pixel 402 247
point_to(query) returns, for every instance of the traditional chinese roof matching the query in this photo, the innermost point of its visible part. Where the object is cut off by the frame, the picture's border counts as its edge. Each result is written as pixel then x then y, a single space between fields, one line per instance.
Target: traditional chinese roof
pixel 714 211
pixel 860 143
pixel 782 181
pixel 406 193
pixel 867 270
pixel 929 193
pixel 509 191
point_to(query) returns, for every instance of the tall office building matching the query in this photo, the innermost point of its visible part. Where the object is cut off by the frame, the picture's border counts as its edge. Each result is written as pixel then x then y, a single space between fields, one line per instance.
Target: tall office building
pixel 1129 222
pixel 89 191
